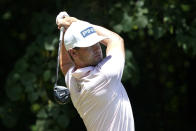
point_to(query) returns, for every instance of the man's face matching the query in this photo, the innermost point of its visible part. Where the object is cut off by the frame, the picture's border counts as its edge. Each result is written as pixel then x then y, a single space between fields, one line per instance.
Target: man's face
pixel 88 56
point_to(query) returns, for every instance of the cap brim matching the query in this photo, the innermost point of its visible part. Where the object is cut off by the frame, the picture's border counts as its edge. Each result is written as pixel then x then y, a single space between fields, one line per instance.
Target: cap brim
pixel 90 42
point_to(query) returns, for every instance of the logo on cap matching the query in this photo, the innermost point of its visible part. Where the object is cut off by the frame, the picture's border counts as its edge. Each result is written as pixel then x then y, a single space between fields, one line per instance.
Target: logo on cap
pixel 87 31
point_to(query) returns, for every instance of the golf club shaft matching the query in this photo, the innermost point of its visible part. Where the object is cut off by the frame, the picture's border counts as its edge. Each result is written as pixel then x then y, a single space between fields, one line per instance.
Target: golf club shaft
pixel 60 44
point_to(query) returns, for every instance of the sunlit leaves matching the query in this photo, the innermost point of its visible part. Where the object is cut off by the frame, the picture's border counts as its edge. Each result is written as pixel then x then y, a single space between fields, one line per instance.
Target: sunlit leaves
pixel 42 114
pixel 158 33
pixel 187 39
pixel 35 107
pixel 185 7
pixel 132 18
pixel 7 15
pixel 52 114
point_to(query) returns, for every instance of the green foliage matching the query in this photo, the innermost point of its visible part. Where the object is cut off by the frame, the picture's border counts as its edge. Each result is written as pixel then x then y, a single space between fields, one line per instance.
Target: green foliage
pixel 52 117
pixel 32 79
pixel 186 39
pixel 130 69
pixel 8 115
pixel 159 37
pixel 132 18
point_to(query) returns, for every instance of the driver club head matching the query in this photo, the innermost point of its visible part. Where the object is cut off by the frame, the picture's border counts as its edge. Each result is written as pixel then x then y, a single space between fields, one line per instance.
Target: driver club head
pixel 61 94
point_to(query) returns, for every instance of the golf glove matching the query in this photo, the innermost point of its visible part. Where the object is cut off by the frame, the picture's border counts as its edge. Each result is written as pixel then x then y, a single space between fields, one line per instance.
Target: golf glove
pixel 61 15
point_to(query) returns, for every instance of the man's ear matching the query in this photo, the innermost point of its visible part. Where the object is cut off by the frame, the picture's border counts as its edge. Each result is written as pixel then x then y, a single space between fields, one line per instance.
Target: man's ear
pixel 73 53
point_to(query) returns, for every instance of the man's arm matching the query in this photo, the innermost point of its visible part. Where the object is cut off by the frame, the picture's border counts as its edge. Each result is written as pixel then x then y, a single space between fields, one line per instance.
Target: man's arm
pixel 113 65
pixel 65 60
pixel 115 43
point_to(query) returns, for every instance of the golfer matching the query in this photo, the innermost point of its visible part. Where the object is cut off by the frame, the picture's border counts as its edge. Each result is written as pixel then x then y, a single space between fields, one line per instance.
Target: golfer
pixel 95 82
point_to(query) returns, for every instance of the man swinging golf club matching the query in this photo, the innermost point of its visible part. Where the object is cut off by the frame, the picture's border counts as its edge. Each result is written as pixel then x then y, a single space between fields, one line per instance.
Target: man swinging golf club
pixel 94 82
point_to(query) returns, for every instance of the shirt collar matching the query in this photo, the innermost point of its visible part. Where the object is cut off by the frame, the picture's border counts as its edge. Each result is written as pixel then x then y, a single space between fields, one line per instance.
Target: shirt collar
pixel 81 72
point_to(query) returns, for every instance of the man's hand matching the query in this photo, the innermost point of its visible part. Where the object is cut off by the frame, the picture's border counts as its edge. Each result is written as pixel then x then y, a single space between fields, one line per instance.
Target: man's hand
pixel 61 15
pixel 64 20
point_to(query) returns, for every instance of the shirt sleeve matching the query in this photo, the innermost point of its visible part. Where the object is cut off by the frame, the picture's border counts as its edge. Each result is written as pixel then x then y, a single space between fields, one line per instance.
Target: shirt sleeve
pixel 68 77
pixel 112 66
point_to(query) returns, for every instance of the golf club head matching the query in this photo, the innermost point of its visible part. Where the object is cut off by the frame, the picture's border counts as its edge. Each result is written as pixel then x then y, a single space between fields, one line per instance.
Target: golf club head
pixel 61 94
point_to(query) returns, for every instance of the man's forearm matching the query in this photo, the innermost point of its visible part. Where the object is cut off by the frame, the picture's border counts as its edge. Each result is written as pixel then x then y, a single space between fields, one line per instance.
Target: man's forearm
pixel 114 41
pixel 65 60
pixel 107 33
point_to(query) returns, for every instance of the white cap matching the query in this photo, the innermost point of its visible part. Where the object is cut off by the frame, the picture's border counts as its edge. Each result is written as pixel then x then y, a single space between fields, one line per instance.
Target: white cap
pixel 81 34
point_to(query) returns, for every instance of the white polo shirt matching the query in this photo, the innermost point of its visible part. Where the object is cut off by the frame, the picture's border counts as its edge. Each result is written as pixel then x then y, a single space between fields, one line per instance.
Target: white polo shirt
pixel 99 96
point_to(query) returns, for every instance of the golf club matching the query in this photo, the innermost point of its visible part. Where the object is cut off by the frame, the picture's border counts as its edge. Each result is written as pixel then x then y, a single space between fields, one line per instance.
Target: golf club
pixel 61 93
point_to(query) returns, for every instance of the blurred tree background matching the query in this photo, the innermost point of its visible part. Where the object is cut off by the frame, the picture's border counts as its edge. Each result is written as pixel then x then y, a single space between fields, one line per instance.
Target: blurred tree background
pixel 159 75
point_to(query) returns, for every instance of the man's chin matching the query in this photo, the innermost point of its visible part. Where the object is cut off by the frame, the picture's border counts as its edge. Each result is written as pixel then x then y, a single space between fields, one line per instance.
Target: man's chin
pixel 97 62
